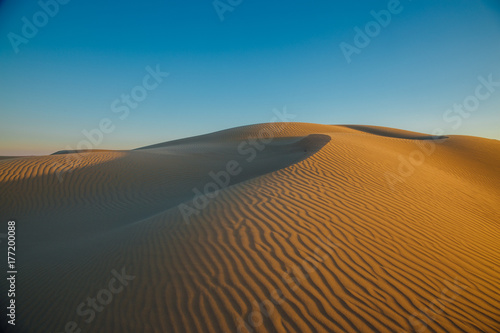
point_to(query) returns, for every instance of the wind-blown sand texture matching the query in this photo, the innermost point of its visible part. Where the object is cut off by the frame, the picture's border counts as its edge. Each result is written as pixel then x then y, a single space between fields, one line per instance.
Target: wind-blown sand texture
pixel 326 230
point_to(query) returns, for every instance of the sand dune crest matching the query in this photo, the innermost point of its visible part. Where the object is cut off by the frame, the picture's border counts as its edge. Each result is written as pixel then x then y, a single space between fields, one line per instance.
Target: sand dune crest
pixel 309 236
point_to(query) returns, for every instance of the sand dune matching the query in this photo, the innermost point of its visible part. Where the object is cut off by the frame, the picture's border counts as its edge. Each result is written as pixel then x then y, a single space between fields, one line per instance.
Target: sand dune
pixel 314 228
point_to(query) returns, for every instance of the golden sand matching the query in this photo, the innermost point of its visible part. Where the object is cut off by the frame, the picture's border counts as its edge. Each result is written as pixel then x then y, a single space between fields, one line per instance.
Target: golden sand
pixel 325 229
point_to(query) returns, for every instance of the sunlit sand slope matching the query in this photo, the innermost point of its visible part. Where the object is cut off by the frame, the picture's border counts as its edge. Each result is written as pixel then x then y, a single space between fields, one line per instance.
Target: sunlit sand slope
pixel 326 229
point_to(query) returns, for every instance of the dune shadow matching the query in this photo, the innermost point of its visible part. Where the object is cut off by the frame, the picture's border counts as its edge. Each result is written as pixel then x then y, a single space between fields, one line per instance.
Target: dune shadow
pixel 394 133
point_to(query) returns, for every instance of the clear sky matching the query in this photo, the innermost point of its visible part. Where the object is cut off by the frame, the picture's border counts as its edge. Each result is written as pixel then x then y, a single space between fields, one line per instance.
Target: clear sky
pixel 234 62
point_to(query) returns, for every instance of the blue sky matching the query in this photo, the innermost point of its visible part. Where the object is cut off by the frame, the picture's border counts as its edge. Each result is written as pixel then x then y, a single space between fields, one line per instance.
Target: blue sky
pixel 225 73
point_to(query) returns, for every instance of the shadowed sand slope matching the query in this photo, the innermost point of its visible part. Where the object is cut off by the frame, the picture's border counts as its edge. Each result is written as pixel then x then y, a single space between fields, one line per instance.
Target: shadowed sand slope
pixel 326 229
pixel 393 133
pixel 101 190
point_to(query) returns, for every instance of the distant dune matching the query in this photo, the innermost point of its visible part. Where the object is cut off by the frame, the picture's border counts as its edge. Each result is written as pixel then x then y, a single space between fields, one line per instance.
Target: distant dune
pixel 8 157
pixel 280 227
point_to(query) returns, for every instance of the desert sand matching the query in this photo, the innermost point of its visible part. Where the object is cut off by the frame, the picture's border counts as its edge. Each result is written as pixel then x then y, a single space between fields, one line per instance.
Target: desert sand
pixel 314 228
